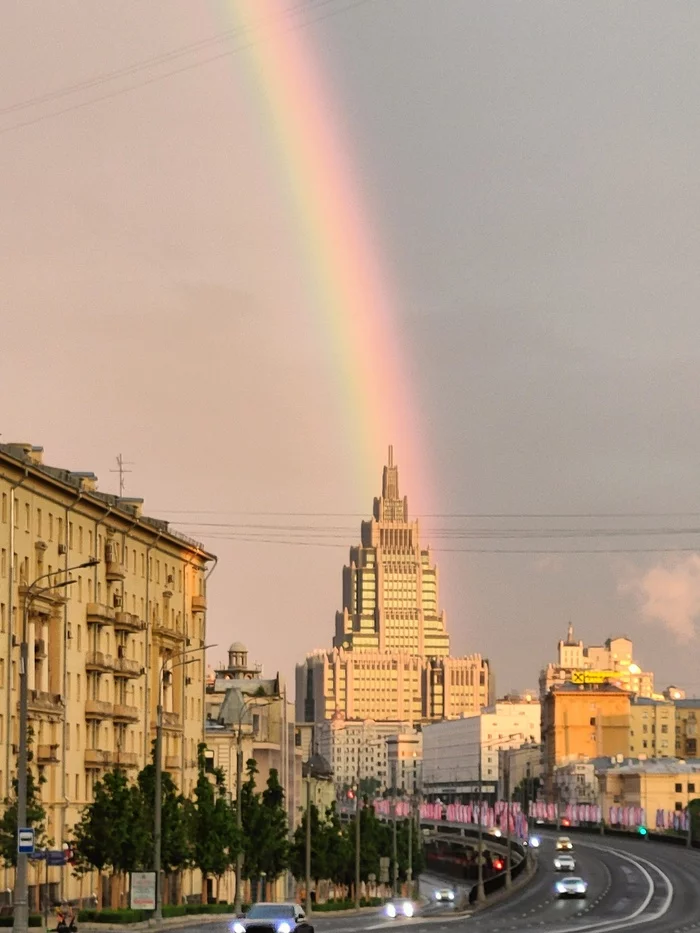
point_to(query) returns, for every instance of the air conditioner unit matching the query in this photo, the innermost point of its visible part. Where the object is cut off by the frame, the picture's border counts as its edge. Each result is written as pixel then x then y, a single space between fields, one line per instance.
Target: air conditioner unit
pixel 121 651
pixel 15 641
pixel 61 549
pixel 171 578
pixel 117 600
pixel 69 633
pixel 188 681
pixel 188 641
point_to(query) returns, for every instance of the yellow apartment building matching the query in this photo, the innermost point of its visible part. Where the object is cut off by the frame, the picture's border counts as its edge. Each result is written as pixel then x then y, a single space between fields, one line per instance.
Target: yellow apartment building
pixel 98 646
pixel 652 728
pixel 687 719
pixel 654 785
pixel 581 722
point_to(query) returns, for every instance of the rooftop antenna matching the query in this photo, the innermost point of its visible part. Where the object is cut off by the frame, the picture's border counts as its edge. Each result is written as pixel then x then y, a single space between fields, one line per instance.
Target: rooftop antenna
pixel 121 470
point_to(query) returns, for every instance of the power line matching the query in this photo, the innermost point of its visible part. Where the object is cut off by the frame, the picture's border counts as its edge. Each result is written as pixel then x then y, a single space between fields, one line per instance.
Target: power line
pixel 176 71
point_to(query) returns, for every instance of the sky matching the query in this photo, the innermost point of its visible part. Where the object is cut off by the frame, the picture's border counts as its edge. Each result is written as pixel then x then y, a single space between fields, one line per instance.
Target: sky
pixel 529 183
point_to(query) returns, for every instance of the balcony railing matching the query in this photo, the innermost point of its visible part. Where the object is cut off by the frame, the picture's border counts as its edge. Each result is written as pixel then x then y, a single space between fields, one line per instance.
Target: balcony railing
pixel 97 758
pixel 41 702
pixel 171 720
pixel 126 713
pixel 40 649
pixel 99 614
pixel 98 709
pixel 126 759
pixel 114 571
pixel 163 630
pixel 126 667
pixel 97 661
pixel 47 754
pixel 199 603
pixel 172 763
pixel 128 622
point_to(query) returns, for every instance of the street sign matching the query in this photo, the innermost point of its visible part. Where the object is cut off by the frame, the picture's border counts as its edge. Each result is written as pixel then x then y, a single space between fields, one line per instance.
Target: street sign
pixel 143 890
pixel 593 677
pixel 25 841
pixel 56 856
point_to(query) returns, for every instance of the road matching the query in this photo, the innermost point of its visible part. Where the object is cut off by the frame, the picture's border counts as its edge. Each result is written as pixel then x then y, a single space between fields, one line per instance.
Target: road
pixel 633 885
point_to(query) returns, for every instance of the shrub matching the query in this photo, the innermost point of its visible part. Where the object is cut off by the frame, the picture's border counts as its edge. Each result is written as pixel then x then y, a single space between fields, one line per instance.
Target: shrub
pixel 112 915
pixel 35 920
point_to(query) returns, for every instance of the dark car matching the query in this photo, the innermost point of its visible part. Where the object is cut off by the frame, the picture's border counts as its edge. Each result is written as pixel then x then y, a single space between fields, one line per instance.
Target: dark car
pixel 273 918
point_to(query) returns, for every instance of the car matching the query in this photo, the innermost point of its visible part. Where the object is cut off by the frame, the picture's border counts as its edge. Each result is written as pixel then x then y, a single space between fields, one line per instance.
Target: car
pixel 443 895
pixel 564 863
pixel 564 843
pixel 533 842
pixel 399 907
pixel 273 918
pixel 571 887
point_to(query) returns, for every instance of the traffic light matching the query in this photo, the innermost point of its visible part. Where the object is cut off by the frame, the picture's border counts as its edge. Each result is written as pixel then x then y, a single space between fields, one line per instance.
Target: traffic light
pixel 642 830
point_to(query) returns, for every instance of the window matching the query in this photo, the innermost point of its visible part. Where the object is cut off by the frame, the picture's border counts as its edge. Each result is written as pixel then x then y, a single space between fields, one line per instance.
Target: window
pixel 27 516
pixel 80 539
pixel 60 531
pixel 50 527
pixel 679 788
pixel 79 646
pixel 4 507
pixel 70 535
pixel 2 617
pixel 691 788
pixel 664 728
pixel 679 805
pixel 3 563
pixel 38 523
pixel 592 720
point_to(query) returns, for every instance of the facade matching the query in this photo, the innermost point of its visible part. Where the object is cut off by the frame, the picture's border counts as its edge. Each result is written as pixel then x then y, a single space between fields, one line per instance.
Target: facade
pixel 652 728
pixel 687 718
pixel 390 659
pixel 461 756
pixel 405 761
pixel 520 768
pixel 576 782
pixel 615 657
pixel 357 751
pixel 653 785
pixel 581 722
pixel 97 647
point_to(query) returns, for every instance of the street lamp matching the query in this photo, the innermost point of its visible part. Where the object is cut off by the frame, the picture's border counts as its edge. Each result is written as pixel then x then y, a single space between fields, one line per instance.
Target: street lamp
pixel 158 791
pixel 21 897
pixel 245 706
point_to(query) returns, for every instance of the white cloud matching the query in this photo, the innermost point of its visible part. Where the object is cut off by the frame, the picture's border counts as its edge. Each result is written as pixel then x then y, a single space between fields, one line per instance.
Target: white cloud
pixel 669 594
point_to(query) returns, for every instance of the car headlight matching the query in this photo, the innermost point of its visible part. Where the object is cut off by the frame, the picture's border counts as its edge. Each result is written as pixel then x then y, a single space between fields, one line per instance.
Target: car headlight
pixel 581 888
pixel 438 896
pixel 561 888
pixel 407 909
pixel 451 895
pixel 284 927
pixel 497 833
pixel 390 910
pixel 534 841
pixel 237 927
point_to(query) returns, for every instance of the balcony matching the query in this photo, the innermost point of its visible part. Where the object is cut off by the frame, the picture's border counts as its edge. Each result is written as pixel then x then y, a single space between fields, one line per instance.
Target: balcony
pixel 114 571
pixel 47 754
pixel 171 720
pixel 199 603
pixel 97 758
pixel 127 622
pixel 99 614
pixel 164 632
pixel 40 649
pixel 47 704
pixel 172 763
pixel 97 661
pixel 98 709
pixel 126 759
pixel 125 713
pixel 125 667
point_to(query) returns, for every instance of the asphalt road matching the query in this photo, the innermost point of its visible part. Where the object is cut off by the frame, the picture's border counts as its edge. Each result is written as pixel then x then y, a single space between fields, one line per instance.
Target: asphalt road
pixel 633 885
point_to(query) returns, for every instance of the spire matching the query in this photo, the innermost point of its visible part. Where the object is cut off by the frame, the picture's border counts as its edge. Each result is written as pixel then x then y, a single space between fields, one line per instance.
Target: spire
pixel 390 478
pixel 391 455
pixel 570 634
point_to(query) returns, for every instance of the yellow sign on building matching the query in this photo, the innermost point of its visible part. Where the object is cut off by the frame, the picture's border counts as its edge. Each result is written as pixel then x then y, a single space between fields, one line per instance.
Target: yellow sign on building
pixel 593 677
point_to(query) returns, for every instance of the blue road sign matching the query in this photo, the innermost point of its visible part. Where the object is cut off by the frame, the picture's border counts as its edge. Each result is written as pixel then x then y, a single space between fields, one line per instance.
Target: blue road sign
pixel 56 856
pixel 25 841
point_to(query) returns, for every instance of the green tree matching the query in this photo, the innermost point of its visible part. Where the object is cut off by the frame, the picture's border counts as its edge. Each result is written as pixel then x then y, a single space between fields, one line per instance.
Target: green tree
pixel 175 839
pixel 212 822
pixel 297 850
pixel 274 854
pixel 111 832
pixel 36 815
pixel 252 822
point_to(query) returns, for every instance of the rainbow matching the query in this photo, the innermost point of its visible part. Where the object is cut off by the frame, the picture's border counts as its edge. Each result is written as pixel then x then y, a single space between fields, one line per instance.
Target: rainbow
pixel 347 279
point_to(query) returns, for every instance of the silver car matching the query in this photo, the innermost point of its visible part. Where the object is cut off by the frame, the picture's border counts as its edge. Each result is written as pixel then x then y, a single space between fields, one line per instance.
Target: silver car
pixel 571 887
pixel 564 862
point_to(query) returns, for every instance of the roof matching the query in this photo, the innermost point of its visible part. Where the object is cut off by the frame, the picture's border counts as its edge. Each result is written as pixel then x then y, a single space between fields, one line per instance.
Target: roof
pixel 237 646
pixel 659 766
pixel 650 701
pixel 82 483
pixel 586 688
pixel 688 703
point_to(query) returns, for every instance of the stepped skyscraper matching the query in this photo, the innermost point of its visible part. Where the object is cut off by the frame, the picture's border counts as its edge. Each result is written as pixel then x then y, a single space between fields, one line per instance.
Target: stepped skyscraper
pixel 390 661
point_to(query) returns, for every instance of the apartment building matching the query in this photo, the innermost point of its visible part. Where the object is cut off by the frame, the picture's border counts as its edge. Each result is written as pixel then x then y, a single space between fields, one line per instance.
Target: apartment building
pixel 687 719
pixel 652 728
pixel 100 644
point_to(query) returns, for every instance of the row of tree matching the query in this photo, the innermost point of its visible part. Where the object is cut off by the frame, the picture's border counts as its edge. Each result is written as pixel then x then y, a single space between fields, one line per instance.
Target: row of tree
pixel 116 831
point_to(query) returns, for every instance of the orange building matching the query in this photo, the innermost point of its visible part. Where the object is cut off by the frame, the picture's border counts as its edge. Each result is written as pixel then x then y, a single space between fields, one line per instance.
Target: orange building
pixel 581 722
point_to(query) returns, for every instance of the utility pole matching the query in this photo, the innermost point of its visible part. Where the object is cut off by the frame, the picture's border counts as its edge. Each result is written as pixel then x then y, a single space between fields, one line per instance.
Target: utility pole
pixel 308 842
pixel 394 839
pixel 480 893
pixel 358 803
pixel 506 773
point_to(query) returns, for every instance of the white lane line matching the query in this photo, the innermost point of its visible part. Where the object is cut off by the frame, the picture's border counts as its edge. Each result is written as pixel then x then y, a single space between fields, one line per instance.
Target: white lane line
pixel 623 922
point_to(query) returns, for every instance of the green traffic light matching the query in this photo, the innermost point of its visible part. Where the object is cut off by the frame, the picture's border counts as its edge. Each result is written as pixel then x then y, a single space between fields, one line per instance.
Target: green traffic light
pixel 642 830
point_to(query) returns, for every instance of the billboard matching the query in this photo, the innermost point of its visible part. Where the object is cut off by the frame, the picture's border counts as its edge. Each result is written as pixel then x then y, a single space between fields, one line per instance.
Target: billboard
pixel 593 677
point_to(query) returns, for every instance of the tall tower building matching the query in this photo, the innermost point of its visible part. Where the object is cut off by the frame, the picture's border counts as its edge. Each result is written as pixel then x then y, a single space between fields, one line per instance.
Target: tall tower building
pixel 390 661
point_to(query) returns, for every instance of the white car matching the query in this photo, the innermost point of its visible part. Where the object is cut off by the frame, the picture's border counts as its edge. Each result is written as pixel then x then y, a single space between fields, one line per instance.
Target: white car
pixel 399 908
pixel 571 887
pixel 444 895
pixel 564 863
pixel 564 843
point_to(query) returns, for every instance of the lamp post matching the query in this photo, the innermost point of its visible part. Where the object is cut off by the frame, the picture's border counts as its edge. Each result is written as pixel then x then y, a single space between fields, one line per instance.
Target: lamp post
pixel 158 776
pixel 21 898
pixel 245 706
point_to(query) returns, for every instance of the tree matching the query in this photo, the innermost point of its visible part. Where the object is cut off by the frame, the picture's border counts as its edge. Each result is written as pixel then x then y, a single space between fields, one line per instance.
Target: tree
pixel 36 815
pixel 274 855
pixel 251 820
pixel 175 840
pixel 319 850
pixel 213 831
pixel 111 831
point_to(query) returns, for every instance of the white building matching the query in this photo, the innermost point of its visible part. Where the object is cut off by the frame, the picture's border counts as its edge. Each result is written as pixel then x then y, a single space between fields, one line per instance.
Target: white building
pixel 458 753
pixel 405 761
pixel 357 749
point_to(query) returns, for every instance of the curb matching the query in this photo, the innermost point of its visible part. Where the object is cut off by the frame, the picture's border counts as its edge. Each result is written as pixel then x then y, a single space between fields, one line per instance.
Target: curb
pixel 168 923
